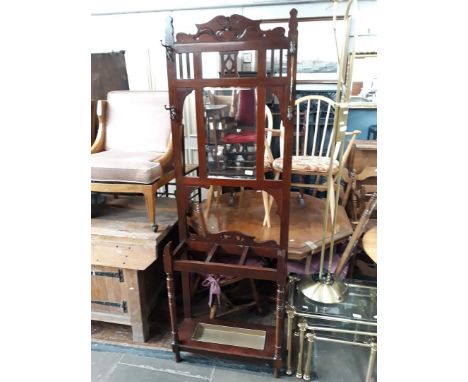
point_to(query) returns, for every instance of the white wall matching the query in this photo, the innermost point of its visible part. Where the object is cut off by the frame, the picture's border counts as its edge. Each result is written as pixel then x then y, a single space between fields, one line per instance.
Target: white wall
pixel 138 27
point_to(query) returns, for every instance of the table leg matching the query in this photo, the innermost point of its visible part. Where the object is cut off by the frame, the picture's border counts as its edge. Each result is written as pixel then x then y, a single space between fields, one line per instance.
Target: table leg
pixel 370 366
pixel 302 329
pixel 310 352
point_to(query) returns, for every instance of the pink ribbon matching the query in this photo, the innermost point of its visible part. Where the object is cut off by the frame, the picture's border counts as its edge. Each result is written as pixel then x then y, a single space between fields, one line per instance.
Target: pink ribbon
pixel 212 282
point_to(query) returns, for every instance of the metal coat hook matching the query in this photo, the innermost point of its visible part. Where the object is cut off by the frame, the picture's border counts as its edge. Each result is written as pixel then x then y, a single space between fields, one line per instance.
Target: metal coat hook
pixel 169 51
pixel 172 111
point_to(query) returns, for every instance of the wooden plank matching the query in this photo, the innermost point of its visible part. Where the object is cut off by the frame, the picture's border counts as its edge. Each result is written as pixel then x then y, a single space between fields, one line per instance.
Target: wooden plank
pixel 114 254
pixel 110 317
pixel 137 308
pixel 121 236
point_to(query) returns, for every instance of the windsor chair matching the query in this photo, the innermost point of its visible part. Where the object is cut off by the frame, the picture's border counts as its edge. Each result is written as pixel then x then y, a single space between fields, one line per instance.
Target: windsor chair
pixel 311 154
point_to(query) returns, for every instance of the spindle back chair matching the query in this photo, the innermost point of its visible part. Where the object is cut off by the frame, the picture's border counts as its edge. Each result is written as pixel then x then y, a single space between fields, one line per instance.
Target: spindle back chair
pixel 311 155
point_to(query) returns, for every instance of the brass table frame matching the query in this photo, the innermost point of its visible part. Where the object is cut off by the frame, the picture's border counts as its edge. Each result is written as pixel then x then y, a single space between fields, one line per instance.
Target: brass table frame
pixel 309 333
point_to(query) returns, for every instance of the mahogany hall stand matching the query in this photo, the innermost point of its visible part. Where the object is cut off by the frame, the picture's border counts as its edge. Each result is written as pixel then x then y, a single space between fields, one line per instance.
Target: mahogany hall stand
pixel 230 37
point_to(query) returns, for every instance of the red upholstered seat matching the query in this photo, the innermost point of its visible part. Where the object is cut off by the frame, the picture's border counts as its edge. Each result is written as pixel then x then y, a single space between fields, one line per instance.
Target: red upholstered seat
pixel 246 111
pixel 246 136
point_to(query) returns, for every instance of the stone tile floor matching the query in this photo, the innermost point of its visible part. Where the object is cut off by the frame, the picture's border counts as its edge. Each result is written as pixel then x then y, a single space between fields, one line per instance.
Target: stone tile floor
pixel 333 363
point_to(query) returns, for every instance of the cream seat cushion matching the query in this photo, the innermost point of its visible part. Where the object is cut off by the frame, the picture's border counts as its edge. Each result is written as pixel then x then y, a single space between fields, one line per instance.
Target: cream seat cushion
pixel 305 164
pixel 125 166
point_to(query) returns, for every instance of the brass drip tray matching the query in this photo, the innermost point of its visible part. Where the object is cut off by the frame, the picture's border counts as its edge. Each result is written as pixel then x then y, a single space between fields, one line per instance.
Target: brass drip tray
pixel 227 335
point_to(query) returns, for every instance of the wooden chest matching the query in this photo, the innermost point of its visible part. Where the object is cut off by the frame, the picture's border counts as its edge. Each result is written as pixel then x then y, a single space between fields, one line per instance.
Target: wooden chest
pixel 126 261
pixel 363 154
pixel 363 163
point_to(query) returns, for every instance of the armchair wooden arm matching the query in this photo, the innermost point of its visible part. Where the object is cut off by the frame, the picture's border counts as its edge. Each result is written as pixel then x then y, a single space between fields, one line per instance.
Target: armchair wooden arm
pixel 100 140
pixel 166 159
pixel 353 134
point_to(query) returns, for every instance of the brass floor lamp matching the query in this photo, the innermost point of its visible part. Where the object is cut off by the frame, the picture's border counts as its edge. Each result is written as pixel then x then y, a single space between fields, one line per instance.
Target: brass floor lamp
pixel 324 286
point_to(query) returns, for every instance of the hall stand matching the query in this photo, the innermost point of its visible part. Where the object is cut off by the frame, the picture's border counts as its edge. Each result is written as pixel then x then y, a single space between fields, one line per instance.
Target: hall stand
pixel 204 254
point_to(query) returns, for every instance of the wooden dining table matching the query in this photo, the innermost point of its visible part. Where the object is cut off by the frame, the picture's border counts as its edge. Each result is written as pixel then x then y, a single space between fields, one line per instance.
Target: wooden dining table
pixel 369 242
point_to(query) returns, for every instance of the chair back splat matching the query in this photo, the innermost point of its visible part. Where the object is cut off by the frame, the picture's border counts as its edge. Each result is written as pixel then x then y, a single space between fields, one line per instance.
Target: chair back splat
pixel 233 144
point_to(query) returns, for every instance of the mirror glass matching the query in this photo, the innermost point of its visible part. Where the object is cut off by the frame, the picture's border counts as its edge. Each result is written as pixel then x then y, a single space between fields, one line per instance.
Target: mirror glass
pixel 364 86
pixel 229 64
pixel 230 132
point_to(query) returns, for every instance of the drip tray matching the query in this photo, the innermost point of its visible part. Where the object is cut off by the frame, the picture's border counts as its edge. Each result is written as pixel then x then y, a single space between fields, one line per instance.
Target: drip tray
pixel 228 335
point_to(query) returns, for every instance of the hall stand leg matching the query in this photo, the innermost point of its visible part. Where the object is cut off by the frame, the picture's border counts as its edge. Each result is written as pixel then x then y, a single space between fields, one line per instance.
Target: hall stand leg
pixel 310 353
pixel 302 329
pixel 173 314
pixel 277 361
pixel 370 366
pixel 290 313
pixel 171 299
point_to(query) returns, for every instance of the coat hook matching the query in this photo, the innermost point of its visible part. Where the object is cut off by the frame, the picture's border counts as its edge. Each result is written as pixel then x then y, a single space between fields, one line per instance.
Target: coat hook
pixel 169 51
pixel 172 110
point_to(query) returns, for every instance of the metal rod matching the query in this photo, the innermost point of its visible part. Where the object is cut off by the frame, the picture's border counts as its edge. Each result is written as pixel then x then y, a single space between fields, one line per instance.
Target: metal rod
pixel 370 366
pixel 363 344
pixel 310 351
pixel 302 328
pixel 345 320
pixel 290 313
pixel 338 121
pixel 360 286
pixel 335 330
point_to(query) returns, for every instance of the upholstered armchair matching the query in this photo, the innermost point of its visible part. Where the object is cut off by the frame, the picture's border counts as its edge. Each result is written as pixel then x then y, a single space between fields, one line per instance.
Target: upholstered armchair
pixel 132 152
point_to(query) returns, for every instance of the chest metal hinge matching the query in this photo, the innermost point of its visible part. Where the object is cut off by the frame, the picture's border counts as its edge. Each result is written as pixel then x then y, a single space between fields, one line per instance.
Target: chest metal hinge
pixel 122 305
pixel 118 274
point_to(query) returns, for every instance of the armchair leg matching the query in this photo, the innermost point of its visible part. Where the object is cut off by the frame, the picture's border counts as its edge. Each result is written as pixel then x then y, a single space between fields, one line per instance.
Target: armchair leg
pixel 151 207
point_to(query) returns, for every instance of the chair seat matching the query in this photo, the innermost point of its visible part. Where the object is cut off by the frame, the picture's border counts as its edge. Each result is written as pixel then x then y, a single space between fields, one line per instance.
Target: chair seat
pixel 245 136
pixel 125 167
pixel 304 164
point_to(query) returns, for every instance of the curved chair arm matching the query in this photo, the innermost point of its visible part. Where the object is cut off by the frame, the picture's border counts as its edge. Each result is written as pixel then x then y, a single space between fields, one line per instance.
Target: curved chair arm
pixel 167 158
pixel 100 140
pixel 354 134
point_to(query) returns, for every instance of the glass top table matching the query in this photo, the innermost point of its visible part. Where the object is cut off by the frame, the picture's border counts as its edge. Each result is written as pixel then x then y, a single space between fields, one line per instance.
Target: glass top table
pixel 352 321
pixel 359 304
